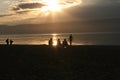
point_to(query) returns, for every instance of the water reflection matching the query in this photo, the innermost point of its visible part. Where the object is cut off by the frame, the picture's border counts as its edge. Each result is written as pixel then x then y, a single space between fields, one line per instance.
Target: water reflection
pixel 42 39
pixel 54 36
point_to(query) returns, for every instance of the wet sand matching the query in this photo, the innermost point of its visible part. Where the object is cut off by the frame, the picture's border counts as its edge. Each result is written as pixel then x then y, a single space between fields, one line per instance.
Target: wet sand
pixel 34 62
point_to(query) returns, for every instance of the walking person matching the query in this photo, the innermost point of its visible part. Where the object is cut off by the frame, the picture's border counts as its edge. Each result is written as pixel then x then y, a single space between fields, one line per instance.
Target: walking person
pixel 7 41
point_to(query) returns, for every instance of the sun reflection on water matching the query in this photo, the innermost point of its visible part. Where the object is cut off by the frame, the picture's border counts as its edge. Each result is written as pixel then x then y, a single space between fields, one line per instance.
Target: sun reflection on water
pixel 54 36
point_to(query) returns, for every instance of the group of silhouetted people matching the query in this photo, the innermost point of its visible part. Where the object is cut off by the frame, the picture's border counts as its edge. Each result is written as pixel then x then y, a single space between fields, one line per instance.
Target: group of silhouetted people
pixel 64 42
pixel 9 41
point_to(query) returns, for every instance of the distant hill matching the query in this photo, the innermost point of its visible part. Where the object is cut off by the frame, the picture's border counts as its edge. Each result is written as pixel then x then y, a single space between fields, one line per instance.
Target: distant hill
pixel 103 25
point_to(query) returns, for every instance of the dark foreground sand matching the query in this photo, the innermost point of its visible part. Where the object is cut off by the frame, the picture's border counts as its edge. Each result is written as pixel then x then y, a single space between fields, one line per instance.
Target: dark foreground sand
pixel 22 62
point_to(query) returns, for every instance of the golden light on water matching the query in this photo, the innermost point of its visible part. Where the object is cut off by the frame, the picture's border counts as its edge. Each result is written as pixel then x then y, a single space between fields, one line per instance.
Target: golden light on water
pixel 54 43
pixel 54 39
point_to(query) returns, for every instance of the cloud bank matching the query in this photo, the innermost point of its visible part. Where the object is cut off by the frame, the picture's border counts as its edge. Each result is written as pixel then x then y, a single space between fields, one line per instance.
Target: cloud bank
pixel 30 5
pixel 29 10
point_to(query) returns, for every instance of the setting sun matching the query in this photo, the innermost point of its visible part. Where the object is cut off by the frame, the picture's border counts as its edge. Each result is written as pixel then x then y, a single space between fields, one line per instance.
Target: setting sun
pixel 52 5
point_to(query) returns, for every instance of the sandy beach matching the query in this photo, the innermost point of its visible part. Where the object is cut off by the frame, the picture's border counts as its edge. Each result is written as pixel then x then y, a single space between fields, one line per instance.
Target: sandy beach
pixel 34 62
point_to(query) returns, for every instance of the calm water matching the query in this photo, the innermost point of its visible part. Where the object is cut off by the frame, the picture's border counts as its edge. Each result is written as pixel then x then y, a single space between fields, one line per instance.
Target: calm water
pixel 79 38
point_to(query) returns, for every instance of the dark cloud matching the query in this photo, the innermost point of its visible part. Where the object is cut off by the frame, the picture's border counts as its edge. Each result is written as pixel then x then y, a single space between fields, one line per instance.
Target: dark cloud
pixel 110 1
pixel 97 11
pixel 30 5
pixel 15 8
pixel 101 2
pixel 23 6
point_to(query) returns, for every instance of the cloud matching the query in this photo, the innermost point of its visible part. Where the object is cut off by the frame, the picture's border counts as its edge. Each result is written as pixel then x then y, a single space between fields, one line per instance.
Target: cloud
pixel 23 12
pixel 5 15
pixel 70 3
pixel 96 10
pixel 101 2
pixel 30 5
pixel 93 9
pixel 110 1
pixel 27 6
pixel 15 8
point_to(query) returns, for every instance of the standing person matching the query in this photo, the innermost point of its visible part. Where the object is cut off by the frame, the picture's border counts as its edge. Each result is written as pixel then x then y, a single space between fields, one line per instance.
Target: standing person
pixel 11 41
pixel 70 39
pixel 58 42
pixel 50 42
pixel 7 41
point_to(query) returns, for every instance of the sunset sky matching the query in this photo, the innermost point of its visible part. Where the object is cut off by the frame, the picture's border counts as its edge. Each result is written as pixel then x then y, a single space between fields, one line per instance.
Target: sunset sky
pixel 18 12
pixel 54 16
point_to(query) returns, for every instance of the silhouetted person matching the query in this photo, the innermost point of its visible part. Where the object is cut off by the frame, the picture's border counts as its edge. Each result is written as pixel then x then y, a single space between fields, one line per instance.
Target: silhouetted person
pixel 70 39
pixel 11 41
pixel 50 42
pixel 65 43
pixel 58 42
pixel 7 41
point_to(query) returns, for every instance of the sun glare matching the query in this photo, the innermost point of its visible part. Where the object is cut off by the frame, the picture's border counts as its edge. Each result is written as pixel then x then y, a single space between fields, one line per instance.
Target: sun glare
pixel 54 43
pixel 54 39
pixel 52 5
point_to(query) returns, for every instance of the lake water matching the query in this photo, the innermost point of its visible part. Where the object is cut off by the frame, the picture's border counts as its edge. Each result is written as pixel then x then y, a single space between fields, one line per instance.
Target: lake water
pixel 97 38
